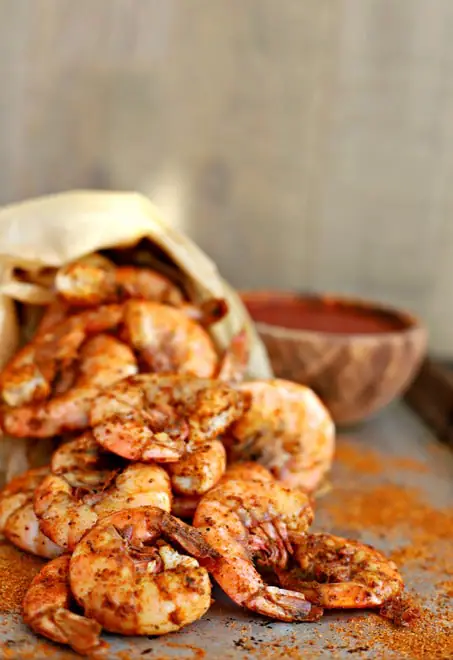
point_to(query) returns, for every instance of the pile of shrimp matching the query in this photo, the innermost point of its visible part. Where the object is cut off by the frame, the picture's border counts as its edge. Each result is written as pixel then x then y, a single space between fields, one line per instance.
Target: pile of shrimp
pixel 170 468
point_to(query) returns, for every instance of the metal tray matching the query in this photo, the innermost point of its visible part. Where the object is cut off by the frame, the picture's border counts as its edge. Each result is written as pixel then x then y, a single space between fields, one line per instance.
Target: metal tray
pixel 400 452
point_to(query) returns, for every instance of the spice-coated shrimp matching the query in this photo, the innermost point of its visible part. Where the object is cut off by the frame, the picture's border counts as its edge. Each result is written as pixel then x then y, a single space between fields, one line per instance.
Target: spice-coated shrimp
pixel 287 429
pixel 18 522
pixel 89 284
pixel 32 373
pixel 335 572
pixel 47 610
pixel 69 503
pixel 167 340
pixel 233 364
pixel 199 470
pixel 126 574
pixel 162 417
pixel 184 506
pixel 255 521
pixel 103 361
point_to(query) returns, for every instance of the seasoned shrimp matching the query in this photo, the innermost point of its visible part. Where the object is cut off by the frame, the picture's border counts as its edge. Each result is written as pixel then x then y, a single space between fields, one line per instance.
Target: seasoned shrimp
pixel 184 506
pixel 126 574
pixel 167 340
pixel 46 609
pixel 247 471
pixel 334 572
pixel 33 372
pixel 70 502
pixel 163 417
pixel 233 364
pixel 18 522
pixel 199 470
pixel 255 521
pixel 104 360
pixel 90 284
pixel 287 429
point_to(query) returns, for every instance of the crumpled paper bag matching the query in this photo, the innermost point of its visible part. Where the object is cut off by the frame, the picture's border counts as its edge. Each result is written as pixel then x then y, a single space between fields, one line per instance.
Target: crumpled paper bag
pixel 50 231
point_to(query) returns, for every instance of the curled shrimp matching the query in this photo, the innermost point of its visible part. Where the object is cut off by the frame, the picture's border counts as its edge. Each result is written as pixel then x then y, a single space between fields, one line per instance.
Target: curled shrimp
pixel 255 521
pixel 18 522
pixel 104 360
pixel 127 575
pixel 32 373
pixel 335 572
pixel 163 417
pixel 47 610
pixel 287 429
pixel 233 365
pixel 199 470
pixel 68 503
pixel 184 506
pixel 89 284
pixel 168 340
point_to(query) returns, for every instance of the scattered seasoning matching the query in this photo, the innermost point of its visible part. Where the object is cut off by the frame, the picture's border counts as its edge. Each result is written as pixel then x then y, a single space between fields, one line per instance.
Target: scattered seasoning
pixel 430 638
pixel 17 570
pixel 198 653
pixel 365 460
pixel 446 586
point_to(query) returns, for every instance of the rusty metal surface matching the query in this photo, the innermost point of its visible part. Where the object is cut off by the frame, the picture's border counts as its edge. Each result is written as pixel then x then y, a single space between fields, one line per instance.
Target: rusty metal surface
pixel 229 633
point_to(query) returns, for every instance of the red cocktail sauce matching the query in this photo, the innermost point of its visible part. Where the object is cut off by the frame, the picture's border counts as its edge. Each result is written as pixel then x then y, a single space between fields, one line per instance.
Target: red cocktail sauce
pixel 319 315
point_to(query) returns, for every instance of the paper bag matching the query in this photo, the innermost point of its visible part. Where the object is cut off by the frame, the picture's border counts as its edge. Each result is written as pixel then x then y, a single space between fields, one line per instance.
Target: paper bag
pixel 47 232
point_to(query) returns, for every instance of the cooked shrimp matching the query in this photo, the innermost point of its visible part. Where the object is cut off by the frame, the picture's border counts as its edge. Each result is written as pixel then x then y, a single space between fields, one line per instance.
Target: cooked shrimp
pixel 17 519
pixel 46 609
pixel 247 521
pixel 31 374
pixel 287 429
pixel 70 503
pixel 199 470
pixel 334 572
pixel 184 506
pixel 233 365
pixel 89 284
pixel 163 417
pixel 247 471
pixel 104 360
pixel 167 340
pixel 126 574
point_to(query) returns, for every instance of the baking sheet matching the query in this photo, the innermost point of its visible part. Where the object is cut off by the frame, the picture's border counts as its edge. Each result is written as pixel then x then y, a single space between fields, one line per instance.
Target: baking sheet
pixel 393 453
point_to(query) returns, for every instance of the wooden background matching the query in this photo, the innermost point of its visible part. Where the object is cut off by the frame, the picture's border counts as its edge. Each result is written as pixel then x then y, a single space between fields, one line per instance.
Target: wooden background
pixel 304 143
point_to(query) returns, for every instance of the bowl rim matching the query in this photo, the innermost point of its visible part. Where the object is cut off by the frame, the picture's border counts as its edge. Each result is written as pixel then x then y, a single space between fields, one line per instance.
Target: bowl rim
pixel 412 324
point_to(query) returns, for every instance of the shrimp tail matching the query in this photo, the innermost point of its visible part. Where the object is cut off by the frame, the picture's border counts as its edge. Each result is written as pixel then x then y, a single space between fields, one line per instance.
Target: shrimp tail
pixel 213 311
pixel 190 540
pixel 349 595
pixel 80 633
pixel 284 605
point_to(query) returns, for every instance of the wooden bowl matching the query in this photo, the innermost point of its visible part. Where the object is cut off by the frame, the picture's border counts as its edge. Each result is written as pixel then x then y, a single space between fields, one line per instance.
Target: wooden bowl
pixel 356 355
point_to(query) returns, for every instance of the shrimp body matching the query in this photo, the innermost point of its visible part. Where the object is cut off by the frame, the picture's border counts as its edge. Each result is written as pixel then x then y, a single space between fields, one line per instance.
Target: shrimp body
pixel 233 364
pixel 335 572
pixel 167 340
pixel 70 503
pixel 184 506
pixel 18 522
pixel 126 574
pixel 287 429
pixel 89 284
pixel 254 521
pixel 46 609
pixel 103 361
pixel 163 417
pixel 31 374
pixel 199 470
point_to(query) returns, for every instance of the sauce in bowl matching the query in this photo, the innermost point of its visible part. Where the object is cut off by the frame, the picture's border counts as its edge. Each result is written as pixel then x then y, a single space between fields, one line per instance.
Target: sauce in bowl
pixel 322 314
